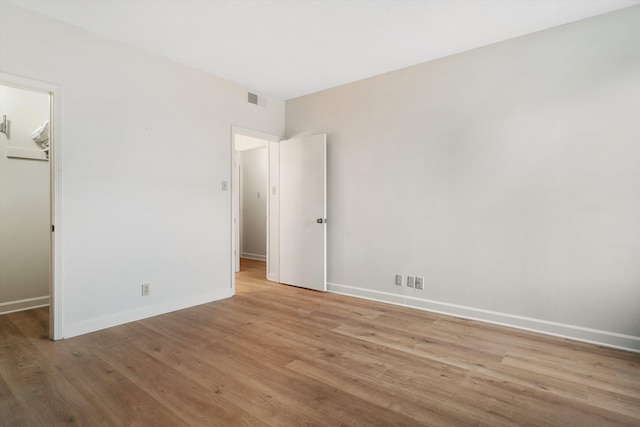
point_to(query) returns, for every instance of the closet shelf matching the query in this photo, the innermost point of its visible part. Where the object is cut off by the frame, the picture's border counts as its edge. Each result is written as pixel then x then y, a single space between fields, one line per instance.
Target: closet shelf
pixel 26 153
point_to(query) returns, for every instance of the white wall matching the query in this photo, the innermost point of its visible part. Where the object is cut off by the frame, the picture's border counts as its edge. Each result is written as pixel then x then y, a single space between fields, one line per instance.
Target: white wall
pixel 145 145
pixel 254 203
pixel 507 176
pixel 24 204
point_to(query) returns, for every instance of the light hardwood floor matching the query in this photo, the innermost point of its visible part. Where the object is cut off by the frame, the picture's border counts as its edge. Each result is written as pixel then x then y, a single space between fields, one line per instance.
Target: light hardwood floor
pixel 283 356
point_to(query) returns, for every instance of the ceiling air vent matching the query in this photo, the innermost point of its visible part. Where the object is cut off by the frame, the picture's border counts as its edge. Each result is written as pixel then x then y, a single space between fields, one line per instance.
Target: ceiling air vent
pixel 255 99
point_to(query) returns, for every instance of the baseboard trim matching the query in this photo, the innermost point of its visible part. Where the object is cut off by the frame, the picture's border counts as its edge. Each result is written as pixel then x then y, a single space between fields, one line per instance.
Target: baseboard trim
pixel 104 322
pixel 256 257
pixel 576 333
pixel 23 304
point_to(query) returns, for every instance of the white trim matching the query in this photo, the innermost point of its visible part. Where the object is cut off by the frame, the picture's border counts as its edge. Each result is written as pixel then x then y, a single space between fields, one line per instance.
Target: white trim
pixel 23 304
pixel 56 281
pixel 273 212
pixel 236 223
pixel 577 333
pixel 256 257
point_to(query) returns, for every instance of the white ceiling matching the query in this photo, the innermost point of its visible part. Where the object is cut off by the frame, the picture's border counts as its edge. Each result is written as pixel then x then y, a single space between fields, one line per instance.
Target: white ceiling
pixel 289 48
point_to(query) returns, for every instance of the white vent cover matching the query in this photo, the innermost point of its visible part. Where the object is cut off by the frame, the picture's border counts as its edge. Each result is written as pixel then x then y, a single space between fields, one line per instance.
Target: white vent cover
pixel 255 99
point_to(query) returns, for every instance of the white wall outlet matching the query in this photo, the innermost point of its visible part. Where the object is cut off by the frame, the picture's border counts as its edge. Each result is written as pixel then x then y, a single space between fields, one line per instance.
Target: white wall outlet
pixel 225 185
pixel 145 289
pixel 419 282
pixel 399 279
pixel 411 281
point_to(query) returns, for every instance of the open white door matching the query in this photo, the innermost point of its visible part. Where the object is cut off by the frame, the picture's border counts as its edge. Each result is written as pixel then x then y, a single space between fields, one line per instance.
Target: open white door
pixel 303 212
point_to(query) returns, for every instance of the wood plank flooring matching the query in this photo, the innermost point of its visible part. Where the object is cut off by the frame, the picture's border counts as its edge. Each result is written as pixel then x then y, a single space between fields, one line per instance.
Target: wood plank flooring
pixel 282 356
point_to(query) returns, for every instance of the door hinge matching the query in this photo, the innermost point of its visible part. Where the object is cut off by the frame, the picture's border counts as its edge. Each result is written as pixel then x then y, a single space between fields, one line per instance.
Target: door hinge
pixel 53 228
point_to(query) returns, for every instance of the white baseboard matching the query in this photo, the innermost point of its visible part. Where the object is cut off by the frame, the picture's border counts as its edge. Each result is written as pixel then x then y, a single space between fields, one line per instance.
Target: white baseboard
pixel 577 333
pixel 256 257
pixel 96 324
pixel 23 304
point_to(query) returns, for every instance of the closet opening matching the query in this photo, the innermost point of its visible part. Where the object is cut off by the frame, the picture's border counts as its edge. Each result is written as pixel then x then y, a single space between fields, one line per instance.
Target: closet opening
pixel 29 201
pixel 25 199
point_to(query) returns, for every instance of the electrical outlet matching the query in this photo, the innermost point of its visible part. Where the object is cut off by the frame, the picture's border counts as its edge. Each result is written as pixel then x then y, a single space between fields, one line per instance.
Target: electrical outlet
pixel 399 279
pixel 411 281
pixel 145 289
pixel 419 282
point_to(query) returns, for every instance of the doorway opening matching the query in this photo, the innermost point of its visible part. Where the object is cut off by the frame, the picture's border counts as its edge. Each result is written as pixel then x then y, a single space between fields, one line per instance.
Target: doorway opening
pixel 253 204
pixel 251 180
pixel 28 138
pixel 24 199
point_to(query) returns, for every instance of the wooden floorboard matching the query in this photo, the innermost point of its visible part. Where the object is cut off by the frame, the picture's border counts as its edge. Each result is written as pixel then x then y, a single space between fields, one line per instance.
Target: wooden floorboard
pixel 283 356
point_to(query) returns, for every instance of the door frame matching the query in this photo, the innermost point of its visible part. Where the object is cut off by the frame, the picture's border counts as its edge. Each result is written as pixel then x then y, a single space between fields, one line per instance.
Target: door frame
pixel 270 139
pixel 55 192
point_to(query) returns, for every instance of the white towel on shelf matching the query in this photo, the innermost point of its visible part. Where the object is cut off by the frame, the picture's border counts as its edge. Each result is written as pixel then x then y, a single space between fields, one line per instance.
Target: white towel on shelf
pixel 41 135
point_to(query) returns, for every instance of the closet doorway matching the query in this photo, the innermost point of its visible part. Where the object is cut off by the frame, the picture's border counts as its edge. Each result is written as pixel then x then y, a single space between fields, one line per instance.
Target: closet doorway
pixel 27 210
